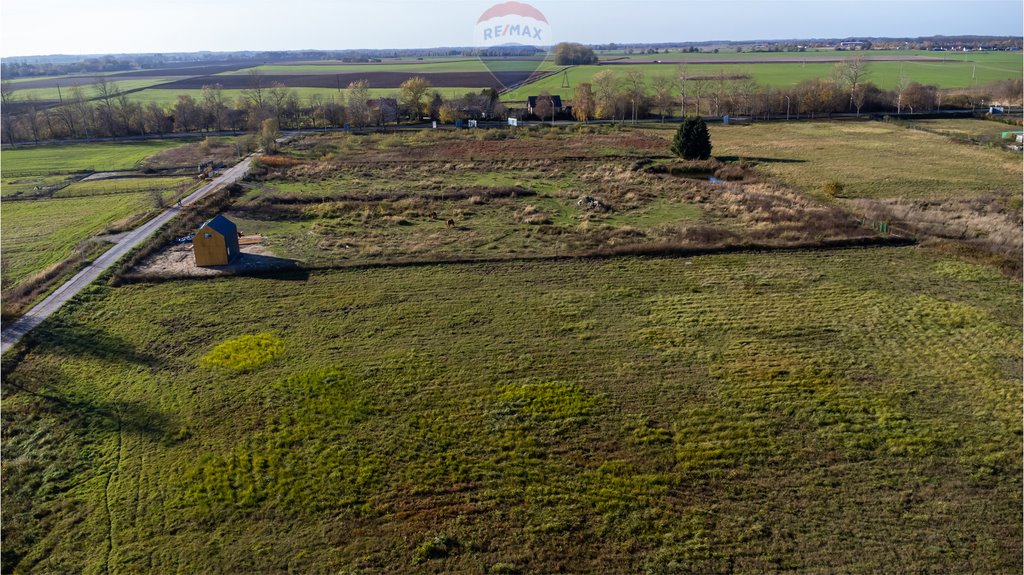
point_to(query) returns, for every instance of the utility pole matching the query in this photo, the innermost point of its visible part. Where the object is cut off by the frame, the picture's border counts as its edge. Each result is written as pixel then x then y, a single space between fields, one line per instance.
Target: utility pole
pixel 787 107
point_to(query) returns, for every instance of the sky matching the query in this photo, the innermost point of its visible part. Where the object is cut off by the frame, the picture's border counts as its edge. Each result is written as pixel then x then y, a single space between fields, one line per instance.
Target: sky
pixel 39 27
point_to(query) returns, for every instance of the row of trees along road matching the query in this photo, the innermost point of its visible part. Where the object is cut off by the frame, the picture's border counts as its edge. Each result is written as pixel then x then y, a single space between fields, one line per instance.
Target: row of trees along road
pixel 104 110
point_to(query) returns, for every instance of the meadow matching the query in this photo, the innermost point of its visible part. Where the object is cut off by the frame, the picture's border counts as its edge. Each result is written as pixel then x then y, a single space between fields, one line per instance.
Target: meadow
pixel 854 411
pixel 340 199
pixel 29 161
pixel 38 234
pixel 874 159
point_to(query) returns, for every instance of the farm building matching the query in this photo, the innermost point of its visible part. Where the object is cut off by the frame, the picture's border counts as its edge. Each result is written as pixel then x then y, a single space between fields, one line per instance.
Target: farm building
pixel 556 103
pixel 215 242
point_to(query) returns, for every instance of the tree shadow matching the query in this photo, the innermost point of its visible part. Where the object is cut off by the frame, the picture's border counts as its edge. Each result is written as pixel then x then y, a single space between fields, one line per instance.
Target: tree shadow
pixel 85 340
pixel 760 160
pixel 88 413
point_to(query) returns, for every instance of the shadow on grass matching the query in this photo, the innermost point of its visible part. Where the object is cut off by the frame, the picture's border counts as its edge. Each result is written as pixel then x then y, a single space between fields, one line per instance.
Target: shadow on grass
pixel 83 340
pixel 759 160
pixel 96 414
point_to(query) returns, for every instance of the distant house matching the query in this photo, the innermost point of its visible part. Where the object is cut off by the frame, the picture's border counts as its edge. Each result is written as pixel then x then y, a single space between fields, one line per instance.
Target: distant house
pixel 531 104
pixel 215 242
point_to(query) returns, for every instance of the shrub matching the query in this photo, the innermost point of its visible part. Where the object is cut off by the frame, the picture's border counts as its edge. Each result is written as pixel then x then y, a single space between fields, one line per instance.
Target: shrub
pixel 692 140
pixel 832 188
pixel 438 547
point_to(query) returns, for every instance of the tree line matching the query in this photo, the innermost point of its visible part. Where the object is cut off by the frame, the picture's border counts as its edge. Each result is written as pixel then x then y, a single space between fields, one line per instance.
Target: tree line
pixel 102 110
pixel 632 95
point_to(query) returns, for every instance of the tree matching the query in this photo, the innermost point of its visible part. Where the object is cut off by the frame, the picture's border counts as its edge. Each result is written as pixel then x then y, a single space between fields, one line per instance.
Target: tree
pixel 106 93
pixel 681 78
pixel 699 86
pixel 573 54
pixel 583 102
pixel 269 133
pixel 606 92
pixel 852 72
pixel 449 112
pixel 636 88
pixel 545 107
pixel 663 98
pixel 214 106
pixel 6 117
pixel 692 140
pixel 358 103
pixel 186 113
pixel 901 88
pixel 411 94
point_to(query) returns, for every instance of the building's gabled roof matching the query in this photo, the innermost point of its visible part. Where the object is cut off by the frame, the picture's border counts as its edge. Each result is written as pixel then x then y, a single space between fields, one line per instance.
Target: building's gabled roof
pixel 222 226
pixel 556 101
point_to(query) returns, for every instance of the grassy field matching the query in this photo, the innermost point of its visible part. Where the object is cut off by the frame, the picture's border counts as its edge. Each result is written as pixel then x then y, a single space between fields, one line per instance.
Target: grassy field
pixel 41 233
pixel 954 73
pixel 874 159
pixel 815 54
pixel 426 67
pixel 337 199
pixel 967 129
pixel 65 159
pixel 855 411
pixel 122 186
pixel 87 91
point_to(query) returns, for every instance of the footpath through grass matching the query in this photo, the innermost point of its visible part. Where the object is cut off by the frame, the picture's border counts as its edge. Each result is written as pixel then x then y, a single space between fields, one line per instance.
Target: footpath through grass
pixel 854 411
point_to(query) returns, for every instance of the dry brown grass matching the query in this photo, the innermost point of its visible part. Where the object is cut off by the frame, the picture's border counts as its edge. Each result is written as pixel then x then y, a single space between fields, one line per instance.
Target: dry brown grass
pixel 213 150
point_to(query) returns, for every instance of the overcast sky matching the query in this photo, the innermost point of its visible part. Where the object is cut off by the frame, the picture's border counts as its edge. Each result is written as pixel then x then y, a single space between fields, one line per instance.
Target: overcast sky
pixel 33 27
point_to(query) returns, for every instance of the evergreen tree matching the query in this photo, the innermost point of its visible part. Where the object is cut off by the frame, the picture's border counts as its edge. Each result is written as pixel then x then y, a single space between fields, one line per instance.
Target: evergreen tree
pixel 692 140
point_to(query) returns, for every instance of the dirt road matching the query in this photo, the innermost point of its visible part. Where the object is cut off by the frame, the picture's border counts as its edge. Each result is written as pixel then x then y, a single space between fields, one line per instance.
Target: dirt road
pixel 44 309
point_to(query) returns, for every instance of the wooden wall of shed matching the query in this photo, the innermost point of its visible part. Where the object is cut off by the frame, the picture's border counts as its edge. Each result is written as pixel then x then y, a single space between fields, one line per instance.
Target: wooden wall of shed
pixel 211 251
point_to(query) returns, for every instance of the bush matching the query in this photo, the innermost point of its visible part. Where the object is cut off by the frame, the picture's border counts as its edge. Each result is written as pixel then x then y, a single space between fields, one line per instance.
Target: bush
pixel 692 140
pixel 832 188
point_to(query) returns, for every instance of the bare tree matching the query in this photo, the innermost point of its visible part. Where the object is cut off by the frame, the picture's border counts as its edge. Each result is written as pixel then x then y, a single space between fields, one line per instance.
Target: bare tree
pixel 682 77
pixel 662 94
pixel 545 107
pixel 7 118
pixel 107 94
pixel 901 87
pixel 852 73
pixel 635 87
pixel 214 106
pixel 699 87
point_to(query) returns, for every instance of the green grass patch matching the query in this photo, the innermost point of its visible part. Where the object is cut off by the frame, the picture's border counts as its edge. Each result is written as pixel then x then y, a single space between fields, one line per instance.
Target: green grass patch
pixel 244 353
pixel 68 158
